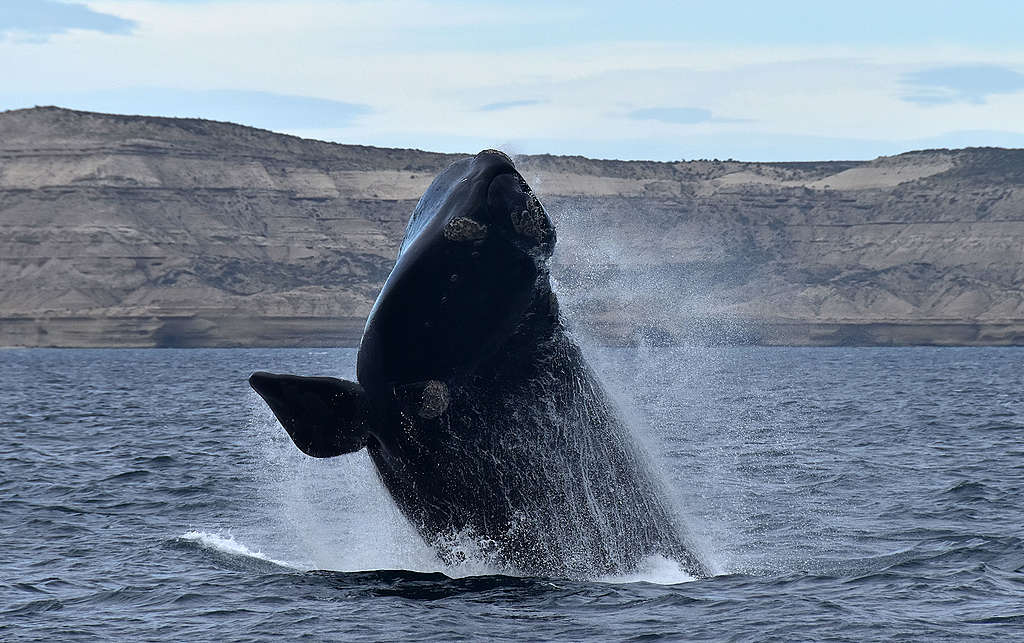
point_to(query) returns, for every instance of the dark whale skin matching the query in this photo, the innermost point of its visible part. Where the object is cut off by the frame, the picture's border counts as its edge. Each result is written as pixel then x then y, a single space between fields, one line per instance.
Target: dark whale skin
pixel 478 410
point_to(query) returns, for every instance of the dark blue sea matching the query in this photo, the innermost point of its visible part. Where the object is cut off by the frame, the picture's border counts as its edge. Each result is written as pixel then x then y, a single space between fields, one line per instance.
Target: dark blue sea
pixel 847 494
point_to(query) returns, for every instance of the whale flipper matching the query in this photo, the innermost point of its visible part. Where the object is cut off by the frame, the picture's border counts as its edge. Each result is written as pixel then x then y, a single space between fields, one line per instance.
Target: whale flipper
pixel 324 416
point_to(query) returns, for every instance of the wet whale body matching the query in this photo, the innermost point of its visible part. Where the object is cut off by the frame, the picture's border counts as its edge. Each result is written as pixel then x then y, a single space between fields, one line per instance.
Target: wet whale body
pixel 478 410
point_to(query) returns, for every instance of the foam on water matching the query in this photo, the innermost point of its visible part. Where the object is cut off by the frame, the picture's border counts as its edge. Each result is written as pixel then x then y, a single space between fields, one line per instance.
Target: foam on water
pixel 228 545
pixel 657 569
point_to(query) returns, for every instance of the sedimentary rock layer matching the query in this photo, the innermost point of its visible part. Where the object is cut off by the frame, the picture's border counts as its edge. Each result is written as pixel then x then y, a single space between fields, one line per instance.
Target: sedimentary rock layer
pixel 141 231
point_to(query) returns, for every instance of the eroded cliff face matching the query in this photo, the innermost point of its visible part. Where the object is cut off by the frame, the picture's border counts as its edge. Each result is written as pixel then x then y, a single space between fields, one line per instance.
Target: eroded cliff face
pixel 138 231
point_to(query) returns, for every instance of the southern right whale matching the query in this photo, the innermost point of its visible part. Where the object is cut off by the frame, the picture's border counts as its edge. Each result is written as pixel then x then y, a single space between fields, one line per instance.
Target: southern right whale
pixel 478 409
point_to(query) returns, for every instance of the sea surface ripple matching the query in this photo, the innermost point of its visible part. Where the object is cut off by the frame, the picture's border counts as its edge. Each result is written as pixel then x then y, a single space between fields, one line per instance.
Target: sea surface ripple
pixel 849 494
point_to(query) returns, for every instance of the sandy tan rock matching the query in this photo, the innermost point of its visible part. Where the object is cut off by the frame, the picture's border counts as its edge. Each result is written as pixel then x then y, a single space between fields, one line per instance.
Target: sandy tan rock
pixel 122 230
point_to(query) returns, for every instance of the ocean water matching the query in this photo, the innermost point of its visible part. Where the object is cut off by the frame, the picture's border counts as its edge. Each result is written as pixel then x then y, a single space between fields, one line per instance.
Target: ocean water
pixel 844 494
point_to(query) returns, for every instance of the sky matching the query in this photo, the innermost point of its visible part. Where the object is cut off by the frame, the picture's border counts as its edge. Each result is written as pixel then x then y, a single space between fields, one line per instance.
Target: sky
pixel 758 81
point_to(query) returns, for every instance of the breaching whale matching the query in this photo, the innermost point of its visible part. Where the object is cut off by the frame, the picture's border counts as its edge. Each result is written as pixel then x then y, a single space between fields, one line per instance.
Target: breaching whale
pixel 477 408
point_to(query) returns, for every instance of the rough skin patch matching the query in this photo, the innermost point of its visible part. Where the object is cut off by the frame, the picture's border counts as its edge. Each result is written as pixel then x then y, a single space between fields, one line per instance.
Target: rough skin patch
pixel 462 229
pixel 531 223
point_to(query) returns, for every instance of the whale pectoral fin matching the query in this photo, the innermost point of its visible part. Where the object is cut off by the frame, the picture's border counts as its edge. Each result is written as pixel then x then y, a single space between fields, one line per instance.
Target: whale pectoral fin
pixel 324 416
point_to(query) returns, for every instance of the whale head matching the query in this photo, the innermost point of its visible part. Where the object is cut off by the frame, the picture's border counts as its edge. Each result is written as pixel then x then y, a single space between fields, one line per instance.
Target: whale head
pixel 473 260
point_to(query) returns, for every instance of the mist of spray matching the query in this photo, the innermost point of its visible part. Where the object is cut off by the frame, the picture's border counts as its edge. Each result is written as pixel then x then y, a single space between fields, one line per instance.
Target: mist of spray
pixel 608 296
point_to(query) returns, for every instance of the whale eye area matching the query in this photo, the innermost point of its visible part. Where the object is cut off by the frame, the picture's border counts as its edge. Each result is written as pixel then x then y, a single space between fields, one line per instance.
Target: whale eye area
pixel 427 400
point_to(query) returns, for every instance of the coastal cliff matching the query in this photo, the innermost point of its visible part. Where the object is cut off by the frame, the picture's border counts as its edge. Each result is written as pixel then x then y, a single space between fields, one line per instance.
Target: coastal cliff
pixel 143 231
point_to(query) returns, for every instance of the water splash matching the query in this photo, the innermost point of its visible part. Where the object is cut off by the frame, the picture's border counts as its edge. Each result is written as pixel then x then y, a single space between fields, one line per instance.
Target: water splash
pixel 334 513
pixel 609 293
pixel 340 517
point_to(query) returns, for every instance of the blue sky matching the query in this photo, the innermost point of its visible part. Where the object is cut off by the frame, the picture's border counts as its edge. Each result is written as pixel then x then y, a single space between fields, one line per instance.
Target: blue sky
pixel 655 80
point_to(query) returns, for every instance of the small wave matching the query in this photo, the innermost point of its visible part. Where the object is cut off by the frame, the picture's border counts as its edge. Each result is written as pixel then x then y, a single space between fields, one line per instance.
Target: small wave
pixel 34 608
pixel 1011 619
pixel 228 545
pixel 128 475
pixel 967 487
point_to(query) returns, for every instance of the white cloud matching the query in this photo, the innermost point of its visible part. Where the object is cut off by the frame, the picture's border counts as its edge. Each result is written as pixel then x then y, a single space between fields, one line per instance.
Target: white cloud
pixel 411 63
pixel 35 20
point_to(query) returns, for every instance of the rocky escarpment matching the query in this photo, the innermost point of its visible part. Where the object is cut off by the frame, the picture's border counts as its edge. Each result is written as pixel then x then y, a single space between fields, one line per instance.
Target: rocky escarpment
pixel 138 231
